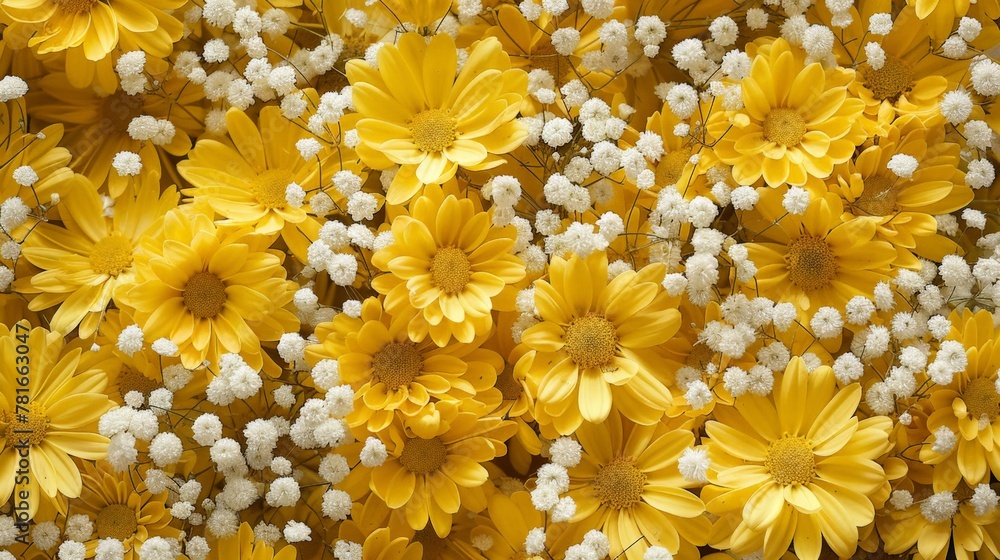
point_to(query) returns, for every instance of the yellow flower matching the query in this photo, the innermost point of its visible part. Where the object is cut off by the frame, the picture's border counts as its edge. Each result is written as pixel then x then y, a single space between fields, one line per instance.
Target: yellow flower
pixel 87 259
pixel 420 14
pixel 969 406
pixel 797 120
pixel 904 208
pixel 592 350
pixel 244 546
pixel 451 265
pixel 432 471
pixel 814 259
pixel 508 520
pixel 628 486
pixel 121 509
pixel 390 373
pixel 418 114
pixel 796 466
pixel 52 416
pixel 210 290
pixel 940 15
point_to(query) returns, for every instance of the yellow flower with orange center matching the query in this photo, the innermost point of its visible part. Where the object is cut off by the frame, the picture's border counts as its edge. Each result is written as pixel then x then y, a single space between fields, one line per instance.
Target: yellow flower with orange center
pixel 418 114
pixel 797 120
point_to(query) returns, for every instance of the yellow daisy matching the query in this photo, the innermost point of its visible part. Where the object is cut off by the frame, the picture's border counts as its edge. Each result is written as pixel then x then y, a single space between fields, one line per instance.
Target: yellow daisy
pixel 210 290
pixel 628 485
pixel 244 546
pixel 90 256
pixel 591 352
pixel 797 120
pixel 785 471
pixel 814 259
pixel 52 416
pixel 418 114
pixel 969 406
pixel 450 264
pixel 121 509
pixel 940 15
pixel 390 373
pixel 507 522
pixel 432 471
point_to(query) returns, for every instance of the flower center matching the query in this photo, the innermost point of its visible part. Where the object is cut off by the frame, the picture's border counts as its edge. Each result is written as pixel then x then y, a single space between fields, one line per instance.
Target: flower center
pixel 433 130
pixel 450 269
pixel 671 167
pixel 890 81
pixel 546 58
pixel 30 427
pixel 878 198
pixel 117 110
pixel 701 355
pixel 116 521
pixel 131 380
pixel 784 126
pixel 811 263
pixel 397 364
pixel 591 341
pixel 75 6
pixel 269 187
pixel 434 546
pixel 981 398
pixel 790 461
pixel 204 295
pixel 423 456
pixel 509 388
pixel 619 484
pixel 111 255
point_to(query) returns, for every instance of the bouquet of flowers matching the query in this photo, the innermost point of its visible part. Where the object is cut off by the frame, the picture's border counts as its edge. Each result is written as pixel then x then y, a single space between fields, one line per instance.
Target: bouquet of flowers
pixel 499 279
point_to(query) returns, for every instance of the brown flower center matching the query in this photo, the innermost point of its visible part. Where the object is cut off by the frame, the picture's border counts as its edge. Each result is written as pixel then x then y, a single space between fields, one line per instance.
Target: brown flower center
pixel 450 269
pixel 433 130
pixel 75 6
pixel 591 341
pixel 30 427
pixel 509 388
pixel 111 255
pixel 701 355
pixel 423 456
pixel 269 187
pixel 116 521
pixel 545 57
pixel 434 546
pixel 397 364
pixel 811 263
pixel 619 484
pixel 131 380
pixel 893 79
pixel 785 126
pixel 117 110
pixel 878 198
pixel 204 295
pixel 981 398
pixel 671 167
pixel 790 460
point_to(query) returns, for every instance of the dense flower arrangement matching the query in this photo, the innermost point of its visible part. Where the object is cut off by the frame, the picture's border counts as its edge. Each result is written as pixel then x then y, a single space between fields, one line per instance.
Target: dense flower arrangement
pixel 499 279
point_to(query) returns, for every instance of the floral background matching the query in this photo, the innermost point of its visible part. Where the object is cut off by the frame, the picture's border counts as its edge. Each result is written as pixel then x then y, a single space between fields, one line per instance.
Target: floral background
pixel 499 279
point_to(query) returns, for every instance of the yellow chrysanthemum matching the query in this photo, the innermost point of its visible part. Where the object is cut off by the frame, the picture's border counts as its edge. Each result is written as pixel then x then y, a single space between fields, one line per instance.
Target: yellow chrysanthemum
pixel 87 259
pixel 904 207
pixel 210 290
pixel 52 418
pixel 243 545
pixel 390 373
pixel 507 522
pixel 244 177
pixel 814 259
pixel 418 114
pixel 432 471
pixel 798 466
pixel 940 15
pixel 90 30
pixel 628 486
pixel 591 352
pixel 121 509
pixel 449 263
pixel 969 406
pixel 797 120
